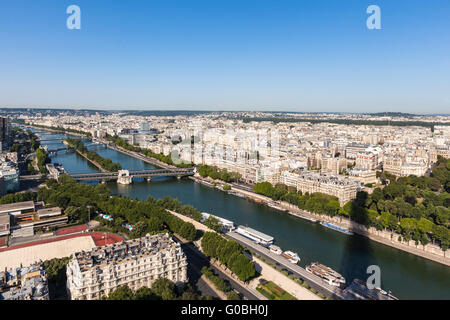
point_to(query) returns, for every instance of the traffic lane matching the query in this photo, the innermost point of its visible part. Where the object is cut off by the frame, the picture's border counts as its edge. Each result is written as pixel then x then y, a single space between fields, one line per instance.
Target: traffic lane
pixel 233 284
pixel 194 276
pixel 314 283
pixel 195 264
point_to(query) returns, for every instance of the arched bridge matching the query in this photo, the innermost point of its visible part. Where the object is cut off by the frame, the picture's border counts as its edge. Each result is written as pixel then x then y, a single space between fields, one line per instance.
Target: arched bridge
pixel 126 176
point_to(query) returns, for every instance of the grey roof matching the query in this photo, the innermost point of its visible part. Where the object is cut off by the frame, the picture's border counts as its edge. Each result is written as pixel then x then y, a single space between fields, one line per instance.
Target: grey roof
pixel 10 207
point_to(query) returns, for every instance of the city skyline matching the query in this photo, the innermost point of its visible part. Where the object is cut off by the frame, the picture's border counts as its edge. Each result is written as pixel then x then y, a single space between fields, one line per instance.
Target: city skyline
pixel 293 57
pixel 208 110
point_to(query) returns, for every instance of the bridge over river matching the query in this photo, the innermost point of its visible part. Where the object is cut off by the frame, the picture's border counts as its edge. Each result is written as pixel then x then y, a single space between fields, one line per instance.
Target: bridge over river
pixel 126 176
pixel 122 176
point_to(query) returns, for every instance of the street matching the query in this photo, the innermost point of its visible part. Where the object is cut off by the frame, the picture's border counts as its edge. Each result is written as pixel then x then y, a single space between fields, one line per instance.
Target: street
pixel 196 260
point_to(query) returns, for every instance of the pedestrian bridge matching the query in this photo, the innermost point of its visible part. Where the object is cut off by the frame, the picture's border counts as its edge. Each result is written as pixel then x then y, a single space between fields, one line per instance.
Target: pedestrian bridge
pixel 126 176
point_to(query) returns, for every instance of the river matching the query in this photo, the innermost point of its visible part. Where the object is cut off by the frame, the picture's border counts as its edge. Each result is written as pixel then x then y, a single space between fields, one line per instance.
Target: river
pixel 406 275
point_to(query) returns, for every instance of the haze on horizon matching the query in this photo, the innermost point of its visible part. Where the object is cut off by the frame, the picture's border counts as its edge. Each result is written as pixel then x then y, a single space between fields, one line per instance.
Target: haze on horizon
pixel 230 55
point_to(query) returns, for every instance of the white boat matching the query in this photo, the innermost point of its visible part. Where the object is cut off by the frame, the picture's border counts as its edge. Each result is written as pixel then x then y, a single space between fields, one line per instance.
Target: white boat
pixel 327 274
pixel 227 225
pixel 291 256
pixel 275 249
pixel 255 235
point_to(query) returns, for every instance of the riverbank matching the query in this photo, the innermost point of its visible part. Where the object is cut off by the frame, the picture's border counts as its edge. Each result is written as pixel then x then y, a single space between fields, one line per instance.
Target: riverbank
pixel 430 252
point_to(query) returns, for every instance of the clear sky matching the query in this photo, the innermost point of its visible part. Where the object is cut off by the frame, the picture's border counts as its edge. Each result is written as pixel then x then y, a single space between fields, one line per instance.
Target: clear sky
pixel 299 55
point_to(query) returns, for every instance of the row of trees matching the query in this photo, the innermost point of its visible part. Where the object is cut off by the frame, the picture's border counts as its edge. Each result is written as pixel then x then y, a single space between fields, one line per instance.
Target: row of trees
pixel 229 253
pixel 317 202
pixel 216 280
pixel 42 159
pixel 170 203
pixel 216 173
pixel 175 205
pixel 161 289
pixel 146 216
pixel 220 284
pixel 105 163
pixel 25 142
pixel 18 197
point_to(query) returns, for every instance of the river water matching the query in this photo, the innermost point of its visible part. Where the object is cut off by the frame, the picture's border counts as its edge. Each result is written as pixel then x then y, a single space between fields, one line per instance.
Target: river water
pixel 406 275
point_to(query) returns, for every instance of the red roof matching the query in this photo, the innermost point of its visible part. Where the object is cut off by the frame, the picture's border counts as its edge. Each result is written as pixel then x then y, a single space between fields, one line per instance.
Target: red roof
pixel 102 239
pixel 98 237
pixel 70 230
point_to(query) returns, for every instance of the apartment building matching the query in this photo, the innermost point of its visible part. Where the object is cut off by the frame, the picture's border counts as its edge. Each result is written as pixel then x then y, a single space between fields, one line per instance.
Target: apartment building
pixel 289 178
pixel 352 150
pixel 135 263
pixel 363 175
pixel 366 160
pixel 333 165
pixel 25 283
pixel 342 188
pixel 398 166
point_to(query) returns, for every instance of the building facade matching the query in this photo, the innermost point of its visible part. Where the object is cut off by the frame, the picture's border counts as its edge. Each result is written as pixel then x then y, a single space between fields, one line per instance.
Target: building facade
pixel 135 263
pixel 344 189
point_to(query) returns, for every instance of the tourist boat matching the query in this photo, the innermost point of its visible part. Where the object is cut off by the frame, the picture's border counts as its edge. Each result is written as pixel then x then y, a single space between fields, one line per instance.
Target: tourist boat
pixel 359 289
pixel 258 201
pixel 275 249
pixel 335 227
pixel 326 273
pixel 255 235
pixel 303 217
pixel 227 225
pixel 291 256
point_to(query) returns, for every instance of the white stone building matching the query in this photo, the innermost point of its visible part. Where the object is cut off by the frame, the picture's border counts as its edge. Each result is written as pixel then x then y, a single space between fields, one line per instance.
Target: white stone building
pixel 135 263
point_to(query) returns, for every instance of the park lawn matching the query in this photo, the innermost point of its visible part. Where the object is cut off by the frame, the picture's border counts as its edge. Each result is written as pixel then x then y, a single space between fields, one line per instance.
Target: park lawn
pixel 274 292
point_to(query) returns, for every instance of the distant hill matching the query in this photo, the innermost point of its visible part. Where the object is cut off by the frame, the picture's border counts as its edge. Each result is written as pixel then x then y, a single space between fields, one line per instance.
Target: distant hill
pixel 393 114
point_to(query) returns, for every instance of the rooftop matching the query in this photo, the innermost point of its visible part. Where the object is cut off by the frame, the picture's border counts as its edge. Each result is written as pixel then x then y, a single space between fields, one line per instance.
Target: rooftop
pixel 17 206
pixel 148 245
pixel 257 233
pixel 27 283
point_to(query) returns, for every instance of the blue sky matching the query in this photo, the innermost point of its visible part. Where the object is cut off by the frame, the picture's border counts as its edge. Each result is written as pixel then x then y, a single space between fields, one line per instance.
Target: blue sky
pixel 302 55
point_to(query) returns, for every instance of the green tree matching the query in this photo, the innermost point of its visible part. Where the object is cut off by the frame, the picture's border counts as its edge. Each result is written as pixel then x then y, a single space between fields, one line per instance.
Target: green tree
pixel 233 296
pixel 213 223
pixel 121 293
pixel 164 288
